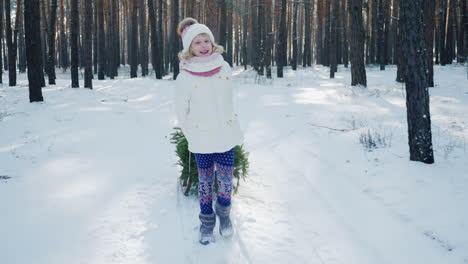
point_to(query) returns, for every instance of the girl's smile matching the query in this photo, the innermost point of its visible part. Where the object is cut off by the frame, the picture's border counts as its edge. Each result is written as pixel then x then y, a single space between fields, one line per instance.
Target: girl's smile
pixel 201 46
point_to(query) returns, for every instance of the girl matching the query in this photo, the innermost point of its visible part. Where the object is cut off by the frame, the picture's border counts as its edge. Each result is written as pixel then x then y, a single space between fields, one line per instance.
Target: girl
pixel 205 114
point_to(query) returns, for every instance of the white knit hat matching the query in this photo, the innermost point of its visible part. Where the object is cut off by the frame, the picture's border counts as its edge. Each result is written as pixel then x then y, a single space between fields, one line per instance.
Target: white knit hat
pixel 190 32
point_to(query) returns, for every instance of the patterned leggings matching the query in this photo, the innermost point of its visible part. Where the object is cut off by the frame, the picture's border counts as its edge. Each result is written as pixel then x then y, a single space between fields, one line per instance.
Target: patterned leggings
pixel 206 163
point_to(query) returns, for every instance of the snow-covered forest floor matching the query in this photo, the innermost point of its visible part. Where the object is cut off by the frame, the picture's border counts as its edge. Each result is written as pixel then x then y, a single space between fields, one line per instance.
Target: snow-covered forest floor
pixel 89 176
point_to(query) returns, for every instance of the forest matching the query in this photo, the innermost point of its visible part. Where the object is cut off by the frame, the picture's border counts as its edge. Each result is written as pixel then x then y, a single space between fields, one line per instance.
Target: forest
pixel 353 115
pixel 99 36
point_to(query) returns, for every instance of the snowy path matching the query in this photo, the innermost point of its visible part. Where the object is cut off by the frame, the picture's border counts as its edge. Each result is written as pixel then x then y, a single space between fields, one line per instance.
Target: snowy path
pixel 91 176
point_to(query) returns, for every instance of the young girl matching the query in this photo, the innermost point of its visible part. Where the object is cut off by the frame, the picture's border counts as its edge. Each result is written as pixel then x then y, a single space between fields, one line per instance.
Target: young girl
pixel 205 114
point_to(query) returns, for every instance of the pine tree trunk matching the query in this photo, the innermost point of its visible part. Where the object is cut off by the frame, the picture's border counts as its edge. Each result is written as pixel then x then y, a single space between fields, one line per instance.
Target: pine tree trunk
pixel 281 43
pixel 307 56
pixel 345 34
pixel 229 43
pixel 245 27
pixel 11 48
pixel 394 32
pixel 222 23
pixel 101 40
pixel 387 32
pixel 1 41
pixel 429 13
pixel 95 37
pixel 74 24
pixel 442 32
pixel 51 36
pixel 33 41
pixel 461 31
pixel 116 38
pixel 465 30
pixel 88 44
pixel 268 39
pixel 319 35
pixel 21 49
pixel 373 32
pixel 63 39
pixel 160 34
pixel 327 34
pixel 143 39
pixel 110 47
pixel 155 49
pixel 294 37
pixel 358 70
pixel 175 38
pixel 417 95
pixel 333 38
pixel 380 34
pixel 134 39
pixel 451 33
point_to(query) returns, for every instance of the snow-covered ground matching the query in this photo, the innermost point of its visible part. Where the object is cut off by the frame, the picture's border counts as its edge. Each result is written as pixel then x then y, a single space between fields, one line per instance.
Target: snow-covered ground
pixel 89 176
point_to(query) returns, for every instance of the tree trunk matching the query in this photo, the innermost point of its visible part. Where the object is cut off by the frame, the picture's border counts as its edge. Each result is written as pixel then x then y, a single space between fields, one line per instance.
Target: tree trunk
pixel 451 33
pixel 175 38
pixel 74 24
pixel 307 56
pixel 51 36
pixel 373 32
pixel 465 30
pixel 1 41
pixel 345 34
pixel 33 42
pixel 429 13
pixel 21 48
pixel 461 55
pixel 11 48
pixel 417 96
pixel 380 34
pixel 133 50
pixel 319 34
pixel 327 36
pixel 294 37
pixel 88 44
pixel 333 38
pixel 101 40
pixel 64 60
pixel 160 34
pixel 268 39
pixel 442 31
pixel 95 37
pixel 358 70
pixel 155 49
pixel 281 42
pixel 143 39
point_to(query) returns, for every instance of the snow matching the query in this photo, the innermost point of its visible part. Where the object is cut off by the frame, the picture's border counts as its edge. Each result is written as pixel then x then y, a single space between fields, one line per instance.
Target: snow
pixel 89 176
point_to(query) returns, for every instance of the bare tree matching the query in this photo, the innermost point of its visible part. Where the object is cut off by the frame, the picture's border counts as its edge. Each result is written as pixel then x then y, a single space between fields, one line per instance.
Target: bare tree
pixel 417 96
pixel 74 24
pixel 33 42
pixel 281 46
pixel 88 45
pixel 143 38
pixel 1 41
pixel 51 42
pixel 156 58
pixel 10 45
pixel 358 70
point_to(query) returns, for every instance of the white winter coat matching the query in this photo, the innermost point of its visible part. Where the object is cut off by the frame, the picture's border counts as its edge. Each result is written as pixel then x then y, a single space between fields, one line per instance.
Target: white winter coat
pixel 204 108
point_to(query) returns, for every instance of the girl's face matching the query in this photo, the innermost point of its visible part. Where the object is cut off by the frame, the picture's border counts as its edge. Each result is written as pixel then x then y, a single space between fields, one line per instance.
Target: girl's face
pixel 201 46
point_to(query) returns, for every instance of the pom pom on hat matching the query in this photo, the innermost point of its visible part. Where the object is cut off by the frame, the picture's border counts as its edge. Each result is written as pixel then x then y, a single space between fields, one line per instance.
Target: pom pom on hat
pixel 192 31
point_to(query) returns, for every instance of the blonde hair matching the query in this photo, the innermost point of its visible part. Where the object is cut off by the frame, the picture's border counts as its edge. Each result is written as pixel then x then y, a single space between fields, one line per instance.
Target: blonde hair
pixel 188 21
